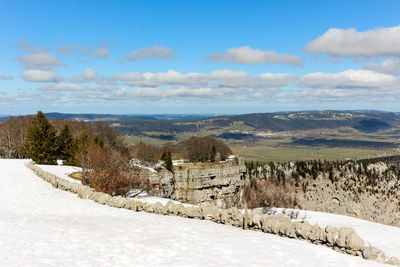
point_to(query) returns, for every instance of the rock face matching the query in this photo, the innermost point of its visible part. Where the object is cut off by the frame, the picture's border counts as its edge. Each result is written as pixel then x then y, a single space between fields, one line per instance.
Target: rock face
pixel 196 183
pixel 324 196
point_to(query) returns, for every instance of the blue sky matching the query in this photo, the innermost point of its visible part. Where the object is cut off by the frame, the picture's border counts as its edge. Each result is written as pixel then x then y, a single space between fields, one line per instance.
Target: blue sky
pixel 223 57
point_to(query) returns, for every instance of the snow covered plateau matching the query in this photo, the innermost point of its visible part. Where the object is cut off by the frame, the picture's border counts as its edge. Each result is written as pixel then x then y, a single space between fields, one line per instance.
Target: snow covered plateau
pixel 44 226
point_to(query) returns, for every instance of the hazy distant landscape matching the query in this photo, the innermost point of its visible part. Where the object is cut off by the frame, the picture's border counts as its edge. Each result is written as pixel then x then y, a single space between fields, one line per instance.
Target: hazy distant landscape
pixel 280 136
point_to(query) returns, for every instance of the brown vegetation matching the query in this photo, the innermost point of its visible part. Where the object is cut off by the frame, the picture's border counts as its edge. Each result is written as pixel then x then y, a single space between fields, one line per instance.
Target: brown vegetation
pixel 12 136
pixel 268 194
pixel 204 149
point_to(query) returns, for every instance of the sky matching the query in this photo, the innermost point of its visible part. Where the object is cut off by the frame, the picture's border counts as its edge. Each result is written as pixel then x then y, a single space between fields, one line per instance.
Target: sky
pixel 198 57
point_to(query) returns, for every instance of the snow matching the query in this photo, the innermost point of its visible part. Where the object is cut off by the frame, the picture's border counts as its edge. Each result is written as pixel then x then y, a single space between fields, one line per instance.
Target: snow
pixel 44 226
pixel 384 237
pixel 152 199
pixel 62 171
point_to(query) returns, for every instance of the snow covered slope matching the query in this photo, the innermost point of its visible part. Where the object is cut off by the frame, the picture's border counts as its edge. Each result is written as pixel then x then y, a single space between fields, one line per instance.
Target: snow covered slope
pixel 43 226
pixel 384 237
pixel 62 171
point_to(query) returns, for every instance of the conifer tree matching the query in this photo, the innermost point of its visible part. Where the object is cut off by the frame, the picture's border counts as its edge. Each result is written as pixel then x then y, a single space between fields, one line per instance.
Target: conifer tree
pixel 167 158
pixel 66 146
pixel 40 141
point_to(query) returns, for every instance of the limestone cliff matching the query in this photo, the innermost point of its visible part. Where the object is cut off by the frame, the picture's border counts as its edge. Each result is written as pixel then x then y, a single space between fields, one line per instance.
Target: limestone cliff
pixel 216 182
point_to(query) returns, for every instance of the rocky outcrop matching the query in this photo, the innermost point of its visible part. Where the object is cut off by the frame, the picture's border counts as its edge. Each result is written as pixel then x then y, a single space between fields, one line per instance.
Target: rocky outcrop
pixel 215 183
pixel 369 191
pixel 322 195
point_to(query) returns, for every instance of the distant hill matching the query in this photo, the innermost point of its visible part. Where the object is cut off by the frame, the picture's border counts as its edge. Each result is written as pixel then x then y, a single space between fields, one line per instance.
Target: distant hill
pixel 123 117
pixel 368 121
pixel 361 120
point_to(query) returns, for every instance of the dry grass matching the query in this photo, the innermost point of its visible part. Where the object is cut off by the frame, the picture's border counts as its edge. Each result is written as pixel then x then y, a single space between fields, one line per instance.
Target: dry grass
pixel 76 176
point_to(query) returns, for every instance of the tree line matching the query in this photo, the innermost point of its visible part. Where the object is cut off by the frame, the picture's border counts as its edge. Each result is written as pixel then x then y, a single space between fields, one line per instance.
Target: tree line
pixel 99 149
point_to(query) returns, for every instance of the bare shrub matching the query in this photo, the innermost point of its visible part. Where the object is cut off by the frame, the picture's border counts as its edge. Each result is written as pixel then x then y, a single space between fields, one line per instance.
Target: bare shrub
pixel 118 179
pixel 12 136
pixel 146 152
pixel 267 194
pixel 204 149
pixel 109 170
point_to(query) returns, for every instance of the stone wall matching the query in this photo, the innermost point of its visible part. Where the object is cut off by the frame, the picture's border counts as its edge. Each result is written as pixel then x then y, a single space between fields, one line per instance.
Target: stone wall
pixel 197 183
pixel 343 240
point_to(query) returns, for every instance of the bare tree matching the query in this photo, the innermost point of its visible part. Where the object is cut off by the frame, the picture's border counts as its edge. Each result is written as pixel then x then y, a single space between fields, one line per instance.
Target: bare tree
pixel 12 136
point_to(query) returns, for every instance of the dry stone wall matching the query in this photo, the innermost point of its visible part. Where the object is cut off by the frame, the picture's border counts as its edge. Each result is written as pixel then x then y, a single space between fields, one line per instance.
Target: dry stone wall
pixel 344 240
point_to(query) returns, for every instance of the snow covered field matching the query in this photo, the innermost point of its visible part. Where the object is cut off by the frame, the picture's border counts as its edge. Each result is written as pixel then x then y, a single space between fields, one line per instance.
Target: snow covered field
pixel 384 237
pixel 43 226
pixel 62 171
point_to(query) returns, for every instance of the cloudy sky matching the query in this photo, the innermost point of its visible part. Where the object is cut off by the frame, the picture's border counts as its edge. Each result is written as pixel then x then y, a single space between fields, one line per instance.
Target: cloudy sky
pixel 210 57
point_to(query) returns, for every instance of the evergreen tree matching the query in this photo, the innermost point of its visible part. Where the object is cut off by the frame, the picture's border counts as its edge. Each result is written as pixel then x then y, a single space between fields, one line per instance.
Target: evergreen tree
pixel 40 141
pixel 167 158
pixel 66 146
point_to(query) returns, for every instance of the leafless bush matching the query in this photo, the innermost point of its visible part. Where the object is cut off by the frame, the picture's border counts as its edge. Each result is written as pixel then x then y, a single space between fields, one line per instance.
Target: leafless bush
pixel 146 153
pixel 109 170
pixel 267 194
pixel 292 214
pixel 118 179
pixel 204 149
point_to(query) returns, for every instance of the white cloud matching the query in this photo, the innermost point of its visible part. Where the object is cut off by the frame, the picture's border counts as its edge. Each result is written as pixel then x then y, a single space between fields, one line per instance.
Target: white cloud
pixel 246 55
pixel 67 50
pixel 170 77
pixel 87 75
pixel 230 86
pixel 6 76
pixel 61 87
pixel 129 76
pixel 349 79
pixel 154 51
pixel 350 42
pixel 390 65
pixel 102 52
pixel 41 76
pixel 27 47
pixel 216 79
pixel 40 60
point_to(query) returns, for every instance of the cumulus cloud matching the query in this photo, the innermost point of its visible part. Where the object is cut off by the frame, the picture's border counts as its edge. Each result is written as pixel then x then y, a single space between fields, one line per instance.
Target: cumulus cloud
pixel 350 42
pixel 61 87
pixel 246 55
pixel 6 76
pixel 154 51
pixel 349 79
pixel 36 57
pixel 67 50
pixel 24 45
pixel 230 85
pixel 87 75
pixel 390 65
pixel 37 75
pixel 40 60
pixel 100 52
pixel 216 79
pixel 170 77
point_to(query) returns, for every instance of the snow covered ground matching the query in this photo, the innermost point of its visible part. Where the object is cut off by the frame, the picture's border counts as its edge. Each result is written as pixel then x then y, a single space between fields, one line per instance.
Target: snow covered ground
pixel 62 171
pixel 44 226
pixel 384 237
